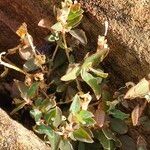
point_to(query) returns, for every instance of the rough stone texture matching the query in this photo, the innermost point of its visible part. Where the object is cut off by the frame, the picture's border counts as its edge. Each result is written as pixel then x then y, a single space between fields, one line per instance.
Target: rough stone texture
pixel 128 36
pixel 14 136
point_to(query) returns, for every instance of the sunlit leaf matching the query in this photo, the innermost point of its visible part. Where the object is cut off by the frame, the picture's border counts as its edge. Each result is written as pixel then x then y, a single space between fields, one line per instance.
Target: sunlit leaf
pixel 79 35
pixel 86 99
pixel 32 90
pixel 136 113
pixel 36 114
pixel 45 23
pixel 99 73
pixel 139 90
pixel 118 126
pixel 93 82
pixel 75 21
pixel 82 135
pixel 72 73
pixel 26 53
pixel 75 106
pixel 85 117
pixel 85 114
pixel 95 58
pixel 57 27
pixel 65 145
pixel 53 37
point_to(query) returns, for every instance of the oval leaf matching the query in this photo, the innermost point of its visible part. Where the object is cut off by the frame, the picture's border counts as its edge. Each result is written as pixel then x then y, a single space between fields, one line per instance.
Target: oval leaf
pixel 82 135
pixel 118 126
pixel 135 115
pixel 79 35
pixel 71 74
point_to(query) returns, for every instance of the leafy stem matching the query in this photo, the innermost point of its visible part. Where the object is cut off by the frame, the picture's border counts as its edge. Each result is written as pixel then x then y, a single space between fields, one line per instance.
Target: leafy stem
pixel 65 45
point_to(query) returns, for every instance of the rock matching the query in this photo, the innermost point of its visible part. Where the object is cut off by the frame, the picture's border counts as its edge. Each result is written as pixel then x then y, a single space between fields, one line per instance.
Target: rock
pixel 14 136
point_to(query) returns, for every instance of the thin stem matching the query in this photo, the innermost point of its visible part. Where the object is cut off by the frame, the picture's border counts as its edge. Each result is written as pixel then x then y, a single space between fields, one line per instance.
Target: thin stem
pixel 55 51
pixel 78 85
pixel 65 44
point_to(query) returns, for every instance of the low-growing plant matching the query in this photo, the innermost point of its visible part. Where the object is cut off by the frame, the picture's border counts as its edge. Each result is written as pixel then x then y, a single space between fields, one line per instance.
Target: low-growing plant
pixel 68 100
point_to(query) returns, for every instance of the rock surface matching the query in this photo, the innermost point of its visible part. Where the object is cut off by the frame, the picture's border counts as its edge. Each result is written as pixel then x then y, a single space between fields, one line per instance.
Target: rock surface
pixel 13 136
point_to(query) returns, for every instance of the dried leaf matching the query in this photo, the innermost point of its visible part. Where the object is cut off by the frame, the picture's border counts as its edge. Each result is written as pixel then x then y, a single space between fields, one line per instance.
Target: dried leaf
pixel 136 113
pixel 100 117
pixel 26 53
pixel 22 31
pixel 72 73
pixel 79 35
pixel 45 23
pixel 139 90
pixel 86 100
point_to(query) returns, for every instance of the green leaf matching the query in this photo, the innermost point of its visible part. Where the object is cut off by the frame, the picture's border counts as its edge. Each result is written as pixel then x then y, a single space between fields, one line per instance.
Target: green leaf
pixel 30 65
pixel 118 114
pixel 118 126
pixel 54 141
pixel 106 143
pixel 36 114
pixel 44 129
pixel 85 114
pixel 82 135
pixel 79 35
pixel 95 59
pixel 99 73
pixel 53 37
pixel 65 145
pixel 58 117
pixel 50 116
pixel 75 106
pixel 32 90
pixel 57 27
pixel 93 82
pixel 18 107
pixel 74 22
pixel 45 105
pixel 72 73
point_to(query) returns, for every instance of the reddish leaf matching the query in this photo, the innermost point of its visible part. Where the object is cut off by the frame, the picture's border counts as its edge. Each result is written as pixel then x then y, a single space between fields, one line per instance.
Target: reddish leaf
pixel 45 23
pixel 100 117
pixel 136 113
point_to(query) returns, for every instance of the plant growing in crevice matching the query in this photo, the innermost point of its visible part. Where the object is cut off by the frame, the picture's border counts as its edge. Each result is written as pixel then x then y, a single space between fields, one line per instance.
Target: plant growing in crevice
pixel 50 84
